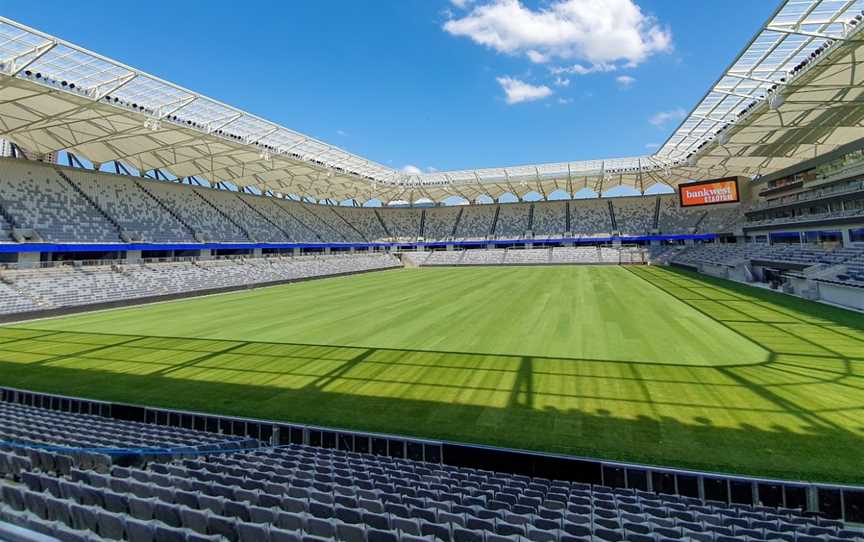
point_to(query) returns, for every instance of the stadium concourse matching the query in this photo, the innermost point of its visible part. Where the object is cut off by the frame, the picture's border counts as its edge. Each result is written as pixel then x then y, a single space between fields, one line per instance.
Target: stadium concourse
pixel 278 340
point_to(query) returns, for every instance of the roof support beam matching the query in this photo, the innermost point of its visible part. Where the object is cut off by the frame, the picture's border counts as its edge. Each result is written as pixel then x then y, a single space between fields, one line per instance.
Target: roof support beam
pixel 292 146
pixel 507 181
pixel 737 94
pixel 177 106
pixel 773 55
pixel 38 52
pixel 713 119
pixel 796 30
pixel 222 123
pixel 539 183
pixel 113 86
pixel 449 180
pixel 256 139
pixel 66 114
pixel 479 182
pixel 58 120
pixel 744 75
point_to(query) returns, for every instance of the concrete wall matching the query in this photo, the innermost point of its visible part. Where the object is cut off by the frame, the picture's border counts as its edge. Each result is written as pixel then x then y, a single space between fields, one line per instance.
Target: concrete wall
pixel 814 290
pixel 28 259
pixel 720 271
pixel 839 294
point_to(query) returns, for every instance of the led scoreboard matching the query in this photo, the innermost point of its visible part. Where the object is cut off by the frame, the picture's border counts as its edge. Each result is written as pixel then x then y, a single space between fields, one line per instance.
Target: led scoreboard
pixel 709 192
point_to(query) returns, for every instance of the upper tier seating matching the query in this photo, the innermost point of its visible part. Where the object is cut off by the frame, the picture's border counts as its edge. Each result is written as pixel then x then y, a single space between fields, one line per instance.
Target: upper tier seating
pixel 254 223
pixel 364 220
pixel 132 208
pixel 280 216
pixel 194 210
pixel 590 217
pixel 346 231
pixel 512 220
pixel 440 222
pixel 327 226
pixel 476 222
pixel 5 230
pixel 812 195
pixel 808 217
pixel 721 219
pixel 550 219
pixel 634 215
pixel 403 224
pixel 675 219
pixel 37 198
pixel 296 492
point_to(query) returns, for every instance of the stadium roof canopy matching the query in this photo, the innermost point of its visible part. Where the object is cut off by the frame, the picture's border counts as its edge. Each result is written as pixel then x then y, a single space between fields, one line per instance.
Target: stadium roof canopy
pixel 793 93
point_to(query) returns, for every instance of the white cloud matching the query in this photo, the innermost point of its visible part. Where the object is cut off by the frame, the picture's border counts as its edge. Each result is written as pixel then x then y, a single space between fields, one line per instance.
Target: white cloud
pixel 625 81
pixel 342 133
pixel 663 117
pixel 579 69
pixel 519 91
pixel 562 82
pixel 431 169
pixel 537 57
pixel 461 4
pixel 597 32
pixel 652 146
pixel 565 101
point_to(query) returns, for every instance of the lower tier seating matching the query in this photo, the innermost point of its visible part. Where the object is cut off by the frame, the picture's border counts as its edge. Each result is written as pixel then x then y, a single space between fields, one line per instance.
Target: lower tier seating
pixel 847 263
pixel 534 256
pixel 241 491
pixel 66 286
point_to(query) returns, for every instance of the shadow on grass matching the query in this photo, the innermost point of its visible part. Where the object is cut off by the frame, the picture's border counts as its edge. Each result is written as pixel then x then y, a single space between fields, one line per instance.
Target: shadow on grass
pixel 820 453
pixel 798 415
pixel 786 327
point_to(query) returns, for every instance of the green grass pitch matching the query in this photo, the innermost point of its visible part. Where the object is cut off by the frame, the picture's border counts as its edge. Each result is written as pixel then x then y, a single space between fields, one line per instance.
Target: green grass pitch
pixel 632 363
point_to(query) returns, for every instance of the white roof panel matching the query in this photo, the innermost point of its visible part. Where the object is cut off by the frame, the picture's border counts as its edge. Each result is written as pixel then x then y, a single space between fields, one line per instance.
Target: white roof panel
pixel 111 111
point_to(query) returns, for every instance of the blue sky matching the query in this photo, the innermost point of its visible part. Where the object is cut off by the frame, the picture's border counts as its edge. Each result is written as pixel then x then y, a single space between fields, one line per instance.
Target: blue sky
pixel 424 83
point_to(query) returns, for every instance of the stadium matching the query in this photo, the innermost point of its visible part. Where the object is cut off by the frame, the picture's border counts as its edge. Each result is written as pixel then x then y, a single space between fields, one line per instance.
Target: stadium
pixel 209 332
